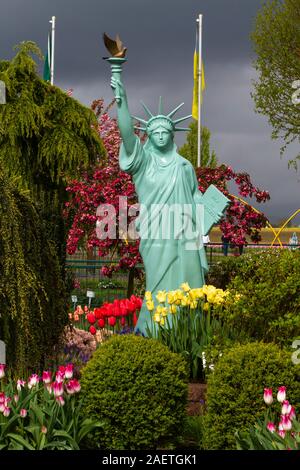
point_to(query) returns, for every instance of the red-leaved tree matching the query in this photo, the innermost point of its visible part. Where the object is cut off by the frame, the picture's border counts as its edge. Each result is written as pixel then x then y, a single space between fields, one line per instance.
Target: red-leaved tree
pixel 105 183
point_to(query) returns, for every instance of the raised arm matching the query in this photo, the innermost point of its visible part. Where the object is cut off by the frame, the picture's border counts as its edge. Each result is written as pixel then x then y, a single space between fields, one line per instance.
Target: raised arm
pixel 124 118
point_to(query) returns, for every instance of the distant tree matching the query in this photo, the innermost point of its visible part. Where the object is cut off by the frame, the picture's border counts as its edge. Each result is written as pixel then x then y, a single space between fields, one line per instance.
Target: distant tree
pixel 46 137
pixel 276 40
pixel 190 149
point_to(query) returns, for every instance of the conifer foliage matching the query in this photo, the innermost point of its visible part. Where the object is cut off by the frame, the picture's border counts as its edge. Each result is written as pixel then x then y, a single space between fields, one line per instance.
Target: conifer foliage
pixel 32 295
pixel 46 137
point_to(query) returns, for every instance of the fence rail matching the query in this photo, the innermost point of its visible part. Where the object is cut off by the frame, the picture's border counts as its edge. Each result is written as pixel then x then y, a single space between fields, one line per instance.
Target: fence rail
pixel 88 276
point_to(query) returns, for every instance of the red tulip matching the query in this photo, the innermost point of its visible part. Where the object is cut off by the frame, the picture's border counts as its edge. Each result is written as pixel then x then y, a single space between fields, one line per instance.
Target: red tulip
pixel 91 318
pixel 92 330
pixel 112 321
pixel 101 323
pixel 123 321
pixel 98 313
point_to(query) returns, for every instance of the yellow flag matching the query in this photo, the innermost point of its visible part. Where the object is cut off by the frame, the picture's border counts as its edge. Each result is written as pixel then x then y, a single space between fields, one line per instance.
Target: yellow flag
pixel 195 90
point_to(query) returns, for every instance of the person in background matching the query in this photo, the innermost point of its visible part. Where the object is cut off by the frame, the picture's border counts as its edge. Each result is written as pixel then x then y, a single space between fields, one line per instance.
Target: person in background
pixel 225 246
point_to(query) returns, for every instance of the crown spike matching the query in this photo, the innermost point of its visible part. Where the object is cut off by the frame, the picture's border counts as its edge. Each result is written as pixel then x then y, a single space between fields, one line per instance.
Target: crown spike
pixel 147 110
pixel 139 119
pixel 175 110
pixel 140 128
pixel 182 119
pixel 182 129
pixel 160 105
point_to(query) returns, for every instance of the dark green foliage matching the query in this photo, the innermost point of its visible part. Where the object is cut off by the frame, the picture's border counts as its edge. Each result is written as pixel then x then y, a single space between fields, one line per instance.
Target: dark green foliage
pixel 139 388
pixel 223 271
pixel 32 295
pixel 46 137
pixel 190 149
pixel 236 387
pixel 268 284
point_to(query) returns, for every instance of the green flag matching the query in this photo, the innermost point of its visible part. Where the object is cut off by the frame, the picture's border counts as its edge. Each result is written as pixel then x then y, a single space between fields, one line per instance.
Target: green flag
pixel 47 64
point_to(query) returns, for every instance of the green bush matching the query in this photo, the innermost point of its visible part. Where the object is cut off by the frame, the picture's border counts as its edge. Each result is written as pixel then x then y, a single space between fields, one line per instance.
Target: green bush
pixel 223 271
pixel 139 388
pixel 269 303
pixel 236 387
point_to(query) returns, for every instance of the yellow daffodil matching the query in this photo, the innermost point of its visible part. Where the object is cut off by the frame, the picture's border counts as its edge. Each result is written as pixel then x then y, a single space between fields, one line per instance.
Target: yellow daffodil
pixel 196 294
pixel 206 306
pixel 171 297
pixel 185 287
pixel 156 317
pixel 173 309
pixel 178 295
pixel 185 301
pixel 193 304
pixel 150 305
pixel 164 311
pixel 161 296
pixel 211 297
pixel 162 321
pixel 148 295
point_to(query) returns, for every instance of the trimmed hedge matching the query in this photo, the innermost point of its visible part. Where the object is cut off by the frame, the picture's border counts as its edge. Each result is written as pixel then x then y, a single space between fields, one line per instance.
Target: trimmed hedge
pixel 139 388
pixel 236 387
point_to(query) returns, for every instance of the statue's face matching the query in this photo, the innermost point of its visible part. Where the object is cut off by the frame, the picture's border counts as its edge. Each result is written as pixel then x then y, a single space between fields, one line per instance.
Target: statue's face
pixel 161 138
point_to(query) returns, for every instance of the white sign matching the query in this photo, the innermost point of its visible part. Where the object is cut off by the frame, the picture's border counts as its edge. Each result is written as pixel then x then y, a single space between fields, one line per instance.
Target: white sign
pixel 74 298
pixel 90 294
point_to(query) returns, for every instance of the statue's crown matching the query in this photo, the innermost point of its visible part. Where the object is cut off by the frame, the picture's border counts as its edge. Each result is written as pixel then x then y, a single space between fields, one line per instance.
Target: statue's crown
pixel 161 119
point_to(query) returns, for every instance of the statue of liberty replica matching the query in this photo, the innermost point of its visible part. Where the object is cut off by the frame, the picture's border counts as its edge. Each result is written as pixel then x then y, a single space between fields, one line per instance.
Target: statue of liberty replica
pixel 174 215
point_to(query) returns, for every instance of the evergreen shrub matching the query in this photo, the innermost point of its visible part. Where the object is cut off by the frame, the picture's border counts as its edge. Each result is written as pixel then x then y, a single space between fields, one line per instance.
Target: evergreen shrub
pixel 236 387
pixel 139 388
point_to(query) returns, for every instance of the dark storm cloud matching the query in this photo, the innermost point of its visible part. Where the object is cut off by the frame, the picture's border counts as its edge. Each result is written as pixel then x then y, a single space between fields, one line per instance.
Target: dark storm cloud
pixel 160 36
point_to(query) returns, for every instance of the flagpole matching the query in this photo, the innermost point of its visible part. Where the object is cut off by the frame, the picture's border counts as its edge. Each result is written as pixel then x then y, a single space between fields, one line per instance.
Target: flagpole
pixel 52 21
pixel 199 21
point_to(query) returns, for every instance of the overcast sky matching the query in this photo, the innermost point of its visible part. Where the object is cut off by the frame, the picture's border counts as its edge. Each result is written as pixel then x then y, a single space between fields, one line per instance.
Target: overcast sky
pixel 160 36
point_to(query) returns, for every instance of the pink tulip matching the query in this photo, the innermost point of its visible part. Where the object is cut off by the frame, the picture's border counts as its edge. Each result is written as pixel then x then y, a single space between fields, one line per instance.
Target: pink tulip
pixel 58 389
pixel 44 430
pixel 2 397
pixel 20 383
pixel 286 423
pixel 268 396
pixel 2 370
pixel 69 371
pixel 33 380
pixel 6 411
pixel 281 395
pixel 70 388
pixel 2 407
pixel 23 413
pixel 73 386
pixel 292 413
pixel 60 401
pixel 16 398
pixel 60 376
pixel 271 427
pixel 281 433
pixel 49 388
pixel 286 407
pixel 46 377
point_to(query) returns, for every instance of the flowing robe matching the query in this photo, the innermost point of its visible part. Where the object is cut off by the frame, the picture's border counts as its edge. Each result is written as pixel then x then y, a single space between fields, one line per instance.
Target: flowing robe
pixel 171 255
